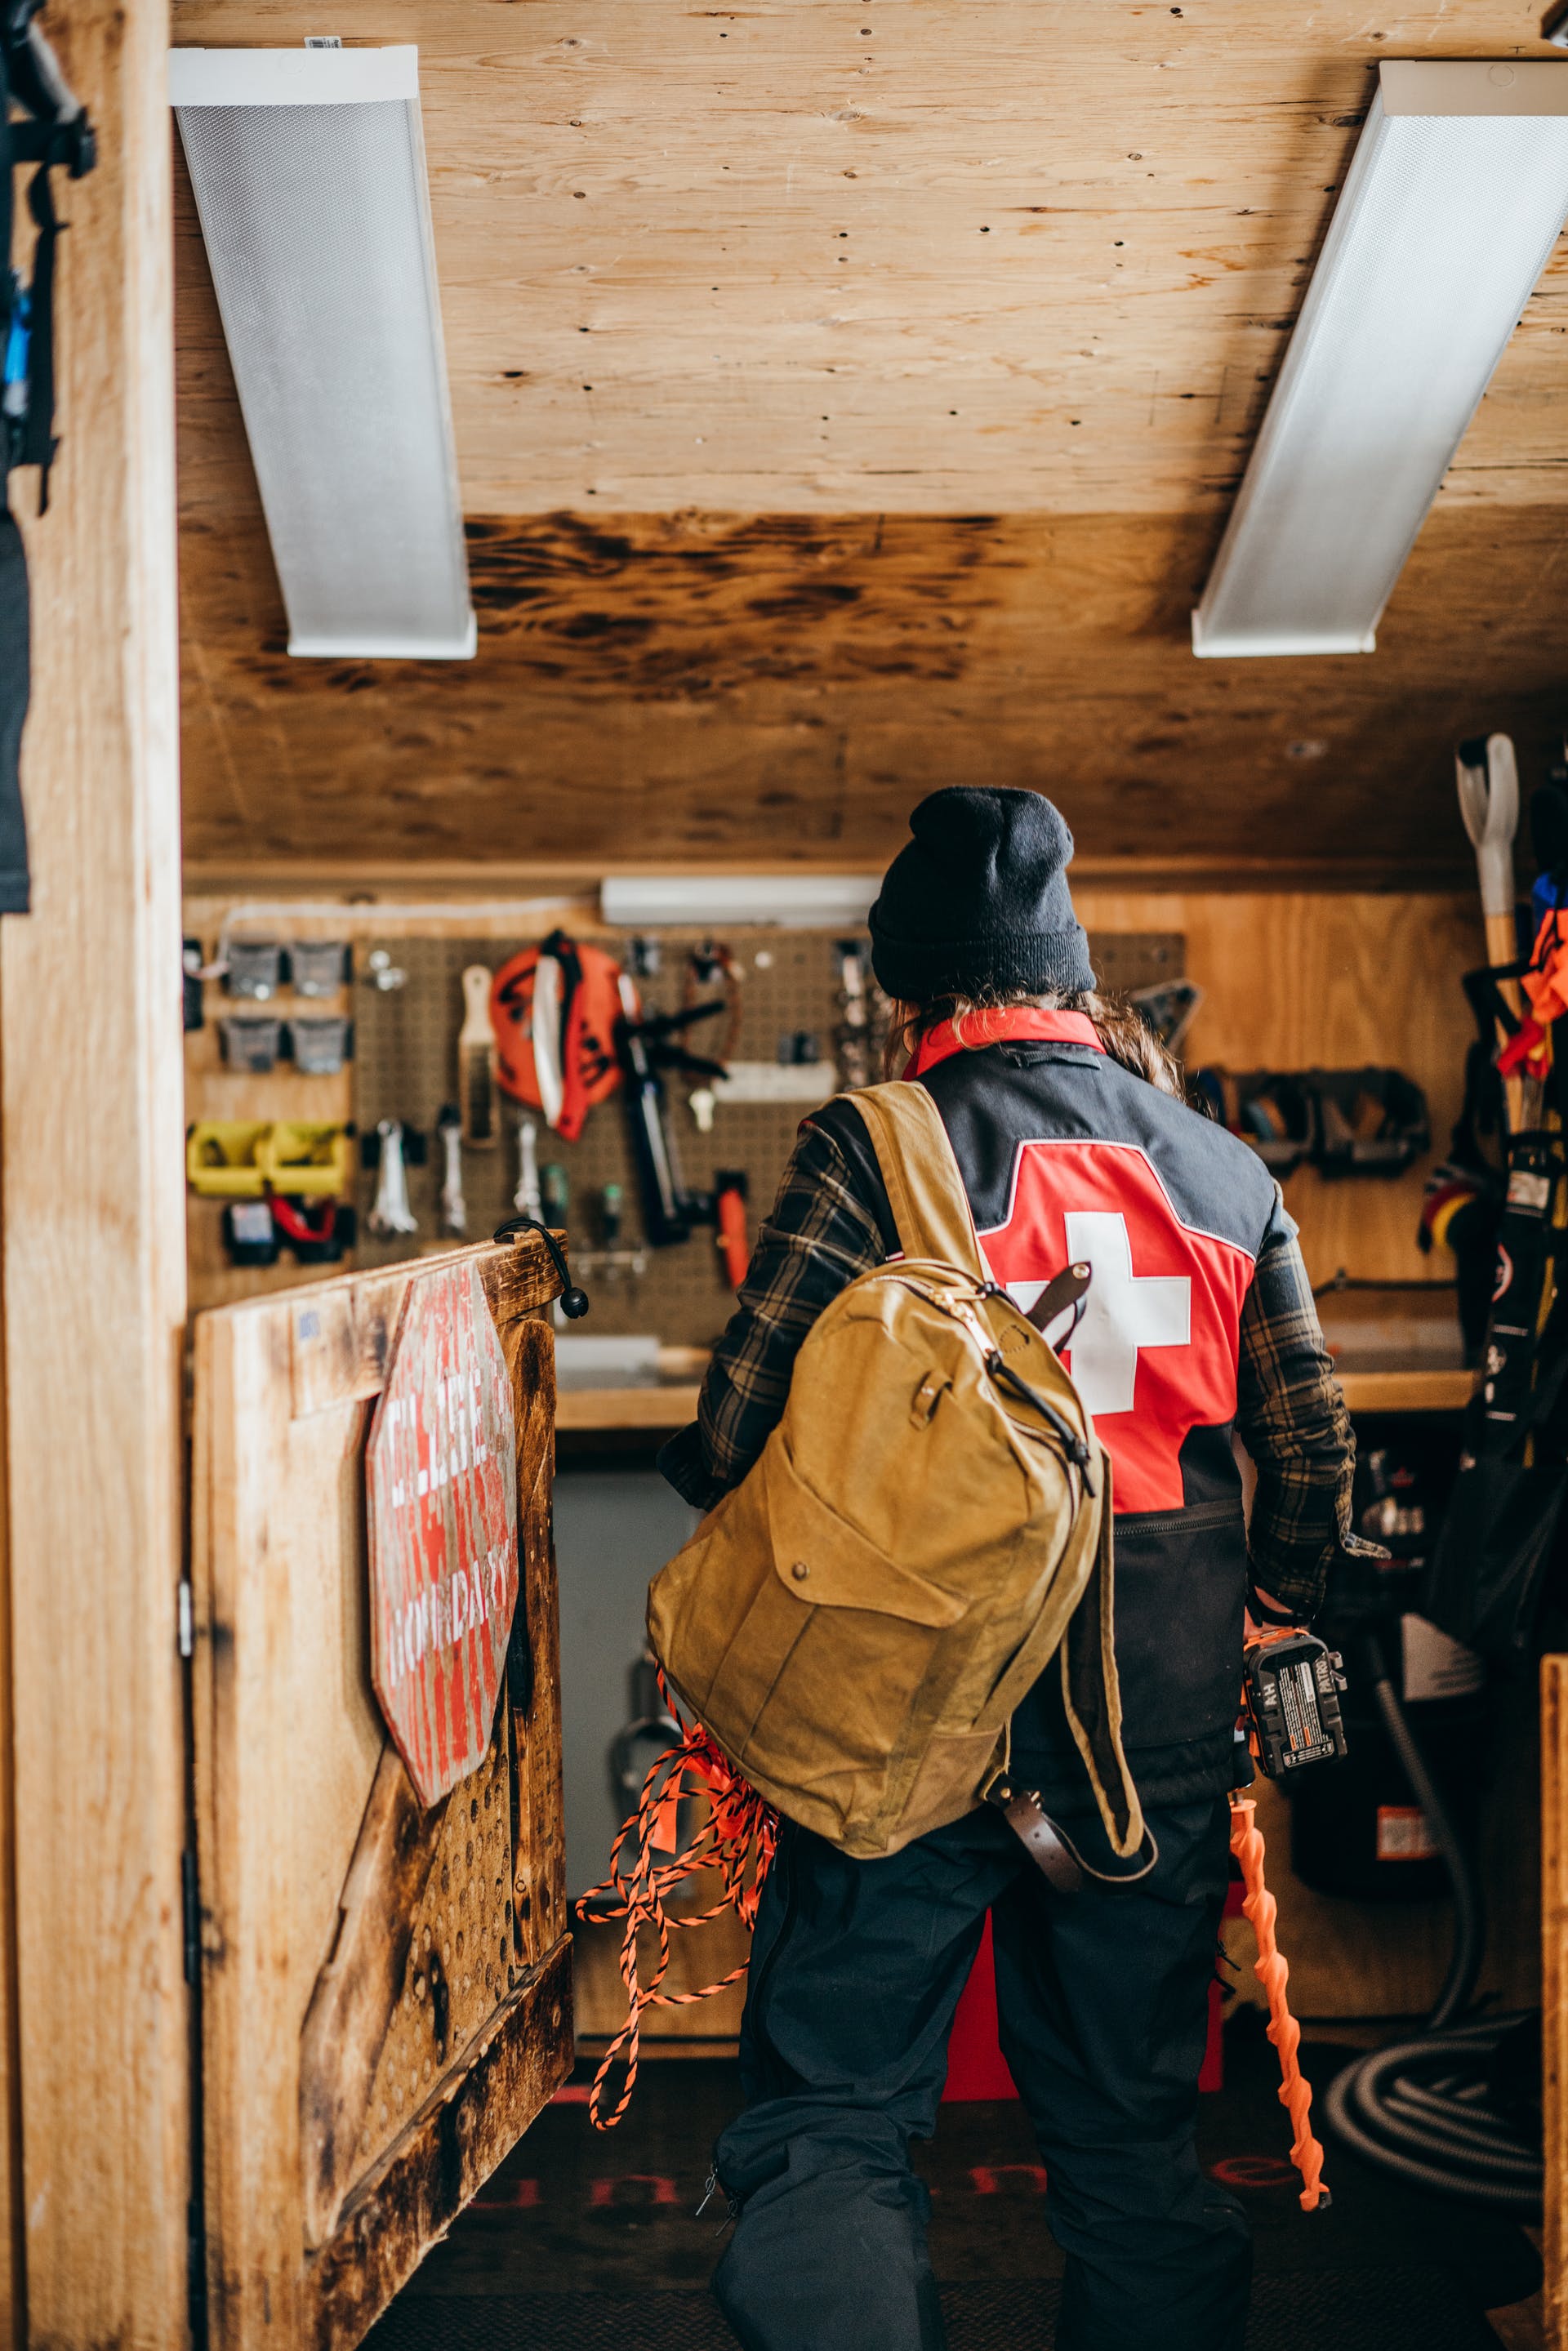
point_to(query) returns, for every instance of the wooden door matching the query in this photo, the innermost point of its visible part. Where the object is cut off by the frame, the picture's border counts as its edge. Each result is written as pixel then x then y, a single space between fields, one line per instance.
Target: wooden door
pixel 386 1995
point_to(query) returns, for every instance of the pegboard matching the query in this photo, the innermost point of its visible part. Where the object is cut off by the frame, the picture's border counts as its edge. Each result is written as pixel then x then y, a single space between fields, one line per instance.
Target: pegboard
pixel 406 1068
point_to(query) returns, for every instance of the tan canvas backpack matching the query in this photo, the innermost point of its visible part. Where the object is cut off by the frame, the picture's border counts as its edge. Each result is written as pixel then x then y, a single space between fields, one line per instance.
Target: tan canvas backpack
pixel 927 1527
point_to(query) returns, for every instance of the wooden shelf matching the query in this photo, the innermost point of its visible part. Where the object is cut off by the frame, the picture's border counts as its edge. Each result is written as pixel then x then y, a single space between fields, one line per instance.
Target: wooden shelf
pixel 1417 1390
pixel 667 1408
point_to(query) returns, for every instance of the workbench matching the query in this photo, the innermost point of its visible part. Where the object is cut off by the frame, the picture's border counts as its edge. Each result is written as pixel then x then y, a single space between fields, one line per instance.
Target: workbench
pixel 659 1410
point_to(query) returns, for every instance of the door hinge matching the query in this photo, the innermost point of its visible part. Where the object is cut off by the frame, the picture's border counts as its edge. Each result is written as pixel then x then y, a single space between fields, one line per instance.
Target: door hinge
pixel 187 1618
pixel 190 1908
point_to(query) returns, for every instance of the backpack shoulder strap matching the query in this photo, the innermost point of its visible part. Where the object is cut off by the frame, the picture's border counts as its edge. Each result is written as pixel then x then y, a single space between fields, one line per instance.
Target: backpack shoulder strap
pixel 924 1189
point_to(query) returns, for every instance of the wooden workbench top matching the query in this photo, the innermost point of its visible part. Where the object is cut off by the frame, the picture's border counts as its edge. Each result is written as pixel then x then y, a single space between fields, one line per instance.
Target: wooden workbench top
pixel 654 1408
pixel 1417 1389
pixel 1420 1389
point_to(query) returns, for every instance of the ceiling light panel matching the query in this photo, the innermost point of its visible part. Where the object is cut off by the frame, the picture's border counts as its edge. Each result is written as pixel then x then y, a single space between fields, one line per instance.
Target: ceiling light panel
pixel 1453 201
pixel 633 902
pixel 310 177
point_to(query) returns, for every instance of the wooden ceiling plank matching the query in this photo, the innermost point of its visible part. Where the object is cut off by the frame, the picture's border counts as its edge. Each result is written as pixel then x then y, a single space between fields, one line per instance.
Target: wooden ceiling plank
pixel 899 386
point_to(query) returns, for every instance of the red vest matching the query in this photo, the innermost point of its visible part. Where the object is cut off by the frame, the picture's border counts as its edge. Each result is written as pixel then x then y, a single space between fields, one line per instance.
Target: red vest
pixel 1155 1354
pixel 1065 1155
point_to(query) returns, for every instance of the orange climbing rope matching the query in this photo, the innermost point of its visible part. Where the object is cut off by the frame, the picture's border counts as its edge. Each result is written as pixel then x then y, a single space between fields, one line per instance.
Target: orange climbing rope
pixel 736 1837
pixel 1272 1973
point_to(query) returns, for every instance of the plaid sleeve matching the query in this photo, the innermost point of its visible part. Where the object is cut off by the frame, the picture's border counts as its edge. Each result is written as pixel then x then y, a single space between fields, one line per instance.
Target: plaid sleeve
pixel 1291 1418
pixel 817 1238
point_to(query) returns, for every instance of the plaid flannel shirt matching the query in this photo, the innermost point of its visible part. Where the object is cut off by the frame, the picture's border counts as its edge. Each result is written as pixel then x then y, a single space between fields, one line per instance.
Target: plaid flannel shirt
pixel 821 1234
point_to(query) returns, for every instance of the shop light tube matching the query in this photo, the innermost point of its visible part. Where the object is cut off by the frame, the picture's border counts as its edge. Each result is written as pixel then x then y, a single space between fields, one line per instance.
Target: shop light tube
pixel 1454 200
pixel 310 177
pixel 633 902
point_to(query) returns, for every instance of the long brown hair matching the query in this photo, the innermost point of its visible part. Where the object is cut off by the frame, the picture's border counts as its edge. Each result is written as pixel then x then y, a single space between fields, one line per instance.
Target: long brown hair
pixel 1121 1028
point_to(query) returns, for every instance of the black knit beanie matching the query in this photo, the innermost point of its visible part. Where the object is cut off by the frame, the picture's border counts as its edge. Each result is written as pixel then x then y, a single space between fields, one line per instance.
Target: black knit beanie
pixel 978 900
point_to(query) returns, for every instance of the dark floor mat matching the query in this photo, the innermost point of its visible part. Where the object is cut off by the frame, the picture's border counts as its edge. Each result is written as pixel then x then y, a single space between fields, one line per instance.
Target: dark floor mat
pixel 584 2238
pixel 1303 2314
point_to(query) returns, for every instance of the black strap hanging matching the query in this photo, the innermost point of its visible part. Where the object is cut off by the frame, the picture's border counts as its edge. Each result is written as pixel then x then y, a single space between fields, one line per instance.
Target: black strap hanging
pixel 59 137
pixel 32 434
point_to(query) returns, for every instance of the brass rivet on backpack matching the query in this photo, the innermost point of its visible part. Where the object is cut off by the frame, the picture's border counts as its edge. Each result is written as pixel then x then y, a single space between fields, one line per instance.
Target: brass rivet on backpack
pixel 800 1570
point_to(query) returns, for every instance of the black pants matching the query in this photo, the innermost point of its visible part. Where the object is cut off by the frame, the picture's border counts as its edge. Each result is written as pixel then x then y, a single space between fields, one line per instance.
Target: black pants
pixel 1102 2001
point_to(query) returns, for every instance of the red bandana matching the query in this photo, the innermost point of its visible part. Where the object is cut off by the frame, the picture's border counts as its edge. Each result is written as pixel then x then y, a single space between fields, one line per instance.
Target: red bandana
pixel 971 1030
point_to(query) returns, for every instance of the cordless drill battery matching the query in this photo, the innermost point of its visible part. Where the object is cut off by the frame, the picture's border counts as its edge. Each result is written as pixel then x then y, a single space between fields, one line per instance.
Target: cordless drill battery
pixel 1292 1691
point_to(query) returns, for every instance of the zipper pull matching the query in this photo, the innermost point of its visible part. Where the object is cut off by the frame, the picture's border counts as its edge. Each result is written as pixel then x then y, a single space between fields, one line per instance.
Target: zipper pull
pixel 713 2186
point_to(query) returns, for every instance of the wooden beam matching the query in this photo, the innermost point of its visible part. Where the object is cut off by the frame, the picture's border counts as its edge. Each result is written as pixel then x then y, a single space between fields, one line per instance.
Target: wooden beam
pixel 13 2266
pixel 93 1266
pixel 1554 1992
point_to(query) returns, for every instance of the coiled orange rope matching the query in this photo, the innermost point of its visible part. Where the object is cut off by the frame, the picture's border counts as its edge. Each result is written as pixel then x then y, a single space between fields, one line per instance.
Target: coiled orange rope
pixel 736 1838
pixel 1260 1910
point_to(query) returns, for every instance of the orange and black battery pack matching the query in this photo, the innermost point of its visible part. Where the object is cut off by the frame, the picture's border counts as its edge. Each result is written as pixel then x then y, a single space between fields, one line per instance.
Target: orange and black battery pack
pixel 1291 1685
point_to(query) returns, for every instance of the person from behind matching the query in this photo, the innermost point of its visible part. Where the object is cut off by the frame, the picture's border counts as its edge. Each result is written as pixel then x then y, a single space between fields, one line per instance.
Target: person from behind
pixel 1074 1143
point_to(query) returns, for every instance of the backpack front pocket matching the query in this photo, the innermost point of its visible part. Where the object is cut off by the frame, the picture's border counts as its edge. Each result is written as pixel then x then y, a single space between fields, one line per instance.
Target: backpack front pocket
pixel 833 1654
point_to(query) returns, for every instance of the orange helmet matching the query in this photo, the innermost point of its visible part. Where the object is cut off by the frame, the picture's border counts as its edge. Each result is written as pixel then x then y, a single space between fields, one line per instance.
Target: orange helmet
pixel 553 1009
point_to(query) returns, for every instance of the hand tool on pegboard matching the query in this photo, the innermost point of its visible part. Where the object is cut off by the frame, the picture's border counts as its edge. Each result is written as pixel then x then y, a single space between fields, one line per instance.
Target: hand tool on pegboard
pixel 1488 778
pixel 709 964
pixel 527 1199
pixel 647 1045
pixel 730 1189
pixel 476 1061
pixel 553 1009
pixel 391 1214
pixel 453 1206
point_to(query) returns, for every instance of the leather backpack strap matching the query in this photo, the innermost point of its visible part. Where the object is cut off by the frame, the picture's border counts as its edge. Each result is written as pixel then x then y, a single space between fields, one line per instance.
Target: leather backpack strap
pixel 925 1190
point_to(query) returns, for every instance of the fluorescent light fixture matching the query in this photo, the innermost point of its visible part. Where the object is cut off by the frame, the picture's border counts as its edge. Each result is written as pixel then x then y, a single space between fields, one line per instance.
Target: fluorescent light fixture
pixel 1453 201
pixel 308 170
pixel 637 901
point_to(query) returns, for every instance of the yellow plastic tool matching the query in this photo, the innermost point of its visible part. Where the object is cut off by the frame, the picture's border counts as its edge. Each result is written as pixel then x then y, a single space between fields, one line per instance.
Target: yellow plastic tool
pixel 221 1160
pixel 308 1159
pixel 243 1159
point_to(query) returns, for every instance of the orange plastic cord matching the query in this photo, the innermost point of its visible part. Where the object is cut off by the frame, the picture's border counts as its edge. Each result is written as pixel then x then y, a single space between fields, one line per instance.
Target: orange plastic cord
pixel 736 1838
pixel 1260 1910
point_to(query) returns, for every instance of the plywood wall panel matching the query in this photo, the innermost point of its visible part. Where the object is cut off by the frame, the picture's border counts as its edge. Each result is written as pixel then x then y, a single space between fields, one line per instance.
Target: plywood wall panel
pixel 90 1158
pixel 849 397
pixel 1022 255
pixel 781 689
pixel 1554 1994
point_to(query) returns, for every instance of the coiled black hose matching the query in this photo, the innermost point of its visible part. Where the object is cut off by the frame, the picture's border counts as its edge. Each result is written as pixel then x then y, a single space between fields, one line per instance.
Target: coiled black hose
pixel 1420 2109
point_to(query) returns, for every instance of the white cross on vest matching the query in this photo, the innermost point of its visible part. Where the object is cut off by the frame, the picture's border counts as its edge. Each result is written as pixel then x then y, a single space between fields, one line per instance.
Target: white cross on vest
pixel 1122 1311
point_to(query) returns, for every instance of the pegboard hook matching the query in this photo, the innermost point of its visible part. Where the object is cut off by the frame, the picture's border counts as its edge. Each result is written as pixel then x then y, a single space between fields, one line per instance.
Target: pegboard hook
pixel 573 1301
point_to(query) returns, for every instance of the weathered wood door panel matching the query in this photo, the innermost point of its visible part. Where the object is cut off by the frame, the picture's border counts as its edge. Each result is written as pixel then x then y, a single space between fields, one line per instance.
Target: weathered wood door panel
pixel 386 1990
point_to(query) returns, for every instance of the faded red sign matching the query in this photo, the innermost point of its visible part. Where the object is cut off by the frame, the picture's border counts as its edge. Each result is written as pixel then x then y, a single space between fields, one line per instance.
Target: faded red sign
pixel 442 1493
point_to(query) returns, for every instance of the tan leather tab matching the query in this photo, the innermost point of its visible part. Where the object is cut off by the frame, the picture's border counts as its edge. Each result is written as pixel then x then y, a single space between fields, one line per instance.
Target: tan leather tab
pixel 924 1189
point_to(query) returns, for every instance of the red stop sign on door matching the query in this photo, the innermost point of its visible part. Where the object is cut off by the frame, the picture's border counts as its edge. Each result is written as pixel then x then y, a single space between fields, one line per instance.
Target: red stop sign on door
pixel 442 1493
